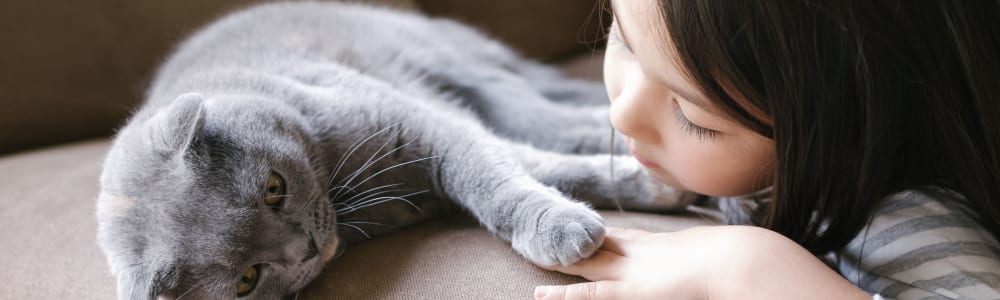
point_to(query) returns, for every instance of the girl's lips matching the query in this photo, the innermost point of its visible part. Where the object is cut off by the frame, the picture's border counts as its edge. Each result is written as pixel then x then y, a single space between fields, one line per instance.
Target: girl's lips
pixel 645 162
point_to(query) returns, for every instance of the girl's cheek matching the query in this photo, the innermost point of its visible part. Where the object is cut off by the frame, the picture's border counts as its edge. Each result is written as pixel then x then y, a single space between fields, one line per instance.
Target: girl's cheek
pixel 693 165
pixel 713 170
pixel 611 76
pixel 684 163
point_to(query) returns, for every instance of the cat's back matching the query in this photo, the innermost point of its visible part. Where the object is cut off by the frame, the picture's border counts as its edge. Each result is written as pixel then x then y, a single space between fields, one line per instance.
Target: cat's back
pixel 328 44
pixel 275 37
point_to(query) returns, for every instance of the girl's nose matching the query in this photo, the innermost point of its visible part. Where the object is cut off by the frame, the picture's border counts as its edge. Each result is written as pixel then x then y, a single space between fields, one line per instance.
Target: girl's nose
pixel 633 111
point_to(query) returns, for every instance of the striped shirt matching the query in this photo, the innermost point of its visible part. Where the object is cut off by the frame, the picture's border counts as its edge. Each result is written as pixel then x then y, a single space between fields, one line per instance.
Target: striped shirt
pixel 918 247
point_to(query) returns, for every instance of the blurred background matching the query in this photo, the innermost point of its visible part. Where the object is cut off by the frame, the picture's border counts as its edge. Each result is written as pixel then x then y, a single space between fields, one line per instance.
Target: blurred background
pixel 74 70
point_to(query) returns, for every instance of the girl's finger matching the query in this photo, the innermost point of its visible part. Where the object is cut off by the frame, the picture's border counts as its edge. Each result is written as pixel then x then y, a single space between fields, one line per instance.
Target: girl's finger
pixel 622 233
pixel 603 265
pixel 624 241
pixel 614 246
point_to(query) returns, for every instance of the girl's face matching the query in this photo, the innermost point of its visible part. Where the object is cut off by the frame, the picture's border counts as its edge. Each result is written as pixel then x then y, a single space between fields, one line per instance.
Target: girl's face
pixel 670 127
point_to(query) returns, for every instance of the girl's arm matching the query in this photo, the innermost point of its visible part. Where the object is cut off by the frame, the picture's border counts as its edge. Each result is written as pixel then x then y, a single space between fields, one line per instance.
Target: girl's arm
pixel 718 262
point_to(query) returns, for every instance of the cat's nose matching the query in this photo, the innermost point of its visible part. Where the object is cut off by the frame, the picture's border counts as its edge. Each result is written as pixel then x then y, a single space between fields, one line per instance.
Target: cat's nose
pixel 313 251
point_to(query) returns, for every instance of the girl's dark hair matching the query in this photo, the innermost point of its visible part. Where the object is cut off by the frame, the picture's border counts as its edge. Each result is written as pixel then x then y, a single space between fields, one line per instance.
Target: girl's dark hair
pixel 864 99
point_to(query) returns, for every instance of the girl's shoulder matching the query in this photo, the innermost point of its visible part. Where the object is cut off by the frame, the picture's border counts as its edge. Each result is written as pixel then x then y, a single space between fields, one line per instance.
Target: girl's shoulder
pixel 923 244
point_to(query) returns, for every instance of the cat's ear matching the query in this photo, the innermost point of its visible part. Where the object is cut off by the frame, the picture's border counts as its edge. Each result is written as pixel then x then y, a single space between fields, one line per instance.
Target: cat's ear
pixel 137 283
pixel 175 127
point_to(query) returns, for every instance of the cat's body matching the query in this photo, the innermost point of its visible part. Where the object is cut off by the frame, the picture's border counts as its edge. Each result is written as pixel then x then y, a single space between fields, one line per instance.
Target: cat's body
pixel 371 119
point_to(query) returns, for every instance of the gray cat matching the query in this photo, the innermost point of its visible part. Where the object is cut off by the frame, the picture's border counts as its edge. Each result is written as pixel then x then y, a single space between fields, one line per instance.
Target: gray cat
pixel 280 134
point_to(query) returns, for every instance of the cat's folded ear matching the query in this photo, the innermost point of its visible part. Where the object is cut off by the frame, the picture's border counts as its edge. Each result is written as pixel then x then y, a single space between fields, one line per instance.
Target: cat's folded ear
pixel 175 127
pixel 137 283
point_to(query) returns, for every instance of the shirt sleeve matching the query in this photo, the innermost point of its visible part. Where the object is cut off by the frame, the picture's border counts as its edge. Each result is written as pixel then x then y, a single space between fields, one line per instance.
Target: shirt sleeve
pixel 917 247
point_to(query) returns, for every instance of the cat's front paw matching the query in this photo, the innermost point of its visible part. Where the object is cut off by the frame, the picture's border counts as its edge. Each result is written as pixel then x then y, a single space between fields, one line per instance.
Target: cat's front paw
pixel 563 234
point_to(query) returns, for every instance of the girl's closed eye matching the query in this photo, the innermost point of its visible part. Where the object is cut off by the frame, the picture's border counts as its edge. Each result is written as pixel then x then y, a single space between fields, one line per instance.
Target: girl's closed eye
pixel 702 133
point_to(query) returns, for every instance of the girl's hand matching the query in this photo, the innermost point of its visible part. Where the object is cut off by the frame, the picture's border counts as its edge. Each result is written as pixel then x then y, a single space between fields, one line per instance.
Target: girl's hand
pixel 635 264
pixel 727 262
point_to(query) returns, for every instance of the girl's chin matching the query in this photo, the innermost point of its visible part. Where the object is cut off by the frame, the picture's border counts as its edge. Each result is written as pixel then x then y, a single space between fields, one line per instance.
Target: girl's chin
pixel 661 176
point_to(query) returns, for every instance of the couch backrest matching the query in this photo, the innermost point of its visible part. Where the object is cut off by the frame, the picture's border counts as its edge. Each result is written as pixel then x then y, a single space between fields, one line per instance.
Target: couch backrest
pixel 72 70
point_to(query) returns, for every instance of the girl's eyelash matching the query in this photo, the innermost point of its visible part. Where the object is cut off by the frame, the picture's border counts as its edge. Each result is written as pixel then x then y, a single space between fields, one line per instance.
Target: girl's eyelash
pixel 701 132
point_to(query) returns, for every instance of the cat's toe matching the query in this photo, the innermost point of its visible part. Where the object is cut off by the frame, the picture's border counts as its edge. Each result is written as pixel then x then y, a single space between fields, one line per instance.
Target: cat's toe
pixel 563 235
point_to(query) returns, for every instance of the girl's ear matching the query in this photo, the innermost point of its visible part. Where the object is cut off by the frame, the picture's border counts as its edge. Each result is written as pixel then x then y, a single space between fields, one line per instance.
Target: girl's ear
pixel 172 129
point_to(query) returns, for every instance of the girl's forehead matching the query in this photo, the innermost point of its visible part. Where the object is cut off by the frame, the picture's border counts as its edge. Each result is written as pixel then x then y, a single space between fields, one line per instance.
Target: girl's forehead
pixel 642 26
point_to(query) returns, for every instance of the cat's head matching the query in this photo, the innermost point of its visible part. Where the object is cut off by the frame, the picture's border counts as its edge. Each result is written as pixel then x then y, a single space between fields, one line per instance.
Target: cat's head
pixel 214 199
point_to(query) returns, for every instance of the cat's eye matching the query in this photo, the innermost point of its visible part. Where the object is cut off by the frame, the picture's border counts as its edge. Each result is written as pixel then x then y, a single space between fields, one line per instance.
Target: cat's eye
pixel 248 281
pixel 274 191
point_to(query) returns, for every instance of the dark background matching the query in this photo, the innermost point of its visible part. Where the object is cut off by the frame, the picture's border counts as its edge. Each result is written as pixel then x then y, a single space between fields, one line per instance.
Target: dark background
pixel 73 70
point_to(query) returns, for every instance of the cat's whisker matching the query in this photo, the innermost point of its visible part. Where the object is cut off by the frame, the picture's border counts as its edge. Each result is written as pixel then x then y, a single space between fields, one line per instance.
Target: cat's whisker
pixel 364 166
pixel 372 190
pixel 371 195
pixel 363 222
pixel 376 201
pixel 403 197
pixel 306 204
pixel 343 158
pixel 357 145
pixel 363 202
pixel 354 147
pixel 349 203
pixel 356 228
pixel 341 184
pixel 334 198
pixel 185 293
pixel 395 166
pixel 190 289
pixel 367 165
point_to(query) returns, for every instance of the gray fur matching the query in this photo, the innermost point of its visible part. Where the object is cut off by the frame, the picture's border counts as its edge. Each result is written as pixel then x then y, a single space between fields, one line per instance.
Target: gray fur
pixel 376 119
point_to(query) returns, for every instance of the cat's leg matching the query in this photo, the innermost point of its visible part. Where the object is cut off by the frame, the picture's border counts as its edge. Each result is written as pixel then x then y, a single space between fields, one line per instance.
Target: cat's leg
pixel 514 109
pixel 550 82
pixel 559 88
pixel 479 171
pixel 512 95
pixel 545 226
pixel 614 182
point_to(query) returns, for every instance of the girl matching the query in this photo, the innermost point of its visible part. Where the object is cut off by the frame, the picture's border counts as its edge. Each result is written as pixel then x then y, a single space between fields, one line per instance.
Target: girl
pixel 871 127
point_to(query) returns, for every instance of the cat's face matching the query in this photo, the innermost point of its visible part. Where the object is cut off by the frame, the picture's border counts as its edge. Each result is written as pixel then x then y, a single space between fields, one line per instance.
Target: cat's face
pixel 213 199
